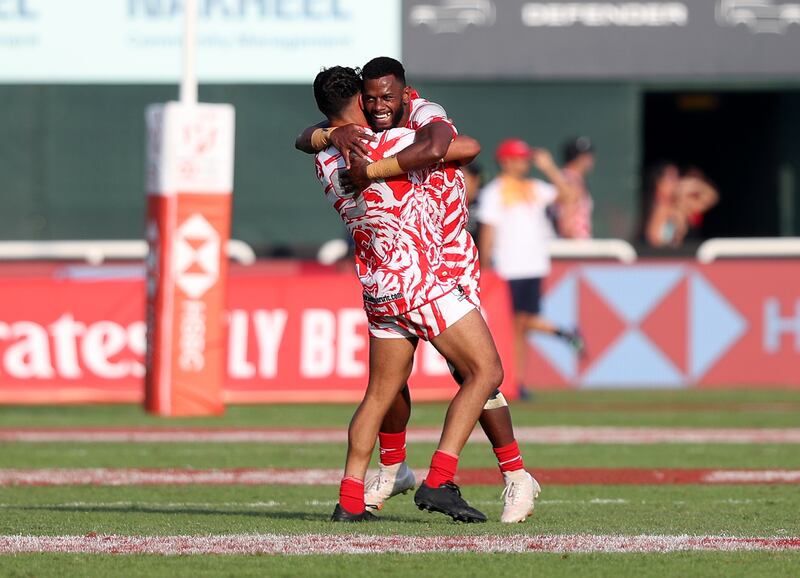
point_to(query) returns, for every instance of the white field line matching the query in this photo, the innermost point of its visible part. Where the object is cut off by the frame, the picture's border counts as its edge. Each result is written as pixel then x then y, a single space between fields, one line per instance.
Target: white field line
pixel 136 477
pixel 304 544
pixel 763 476
pixel 145 505
pixel 271 504
pixel 532 435
pixel 309 477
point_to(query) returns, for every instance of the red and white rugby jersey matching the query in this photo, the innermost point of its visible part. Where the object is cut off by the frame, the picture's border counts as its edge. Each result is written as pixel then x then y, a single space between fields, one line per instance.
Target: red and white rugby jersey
pixel 424 112
pixel 460 251
pixel 399 227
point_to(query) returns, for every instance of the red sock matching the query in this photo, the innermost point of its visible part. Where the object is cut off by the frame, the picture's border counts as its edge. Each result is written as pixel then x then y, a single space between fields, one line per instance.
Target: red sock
pixel 351 495
pixel 443 469
pixel 393 448
pixel 508 457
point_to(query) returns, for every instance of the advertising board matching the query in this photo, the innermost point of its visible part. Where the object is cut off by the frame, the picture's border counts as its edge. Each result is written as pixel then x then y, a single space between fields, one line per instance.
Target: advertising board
pixel 239 41
pixel 491 39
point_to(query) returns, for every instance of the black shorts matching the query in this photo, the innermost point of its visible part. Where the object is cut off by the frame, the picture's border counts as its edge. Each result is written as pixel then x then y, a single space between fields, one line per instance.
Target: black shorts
pixel 526 295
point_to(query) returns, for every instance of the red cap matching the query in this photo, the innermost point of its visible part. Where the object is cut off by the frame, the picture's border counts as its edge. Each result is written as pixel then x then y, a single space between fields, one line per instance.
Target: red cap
pixel 513 148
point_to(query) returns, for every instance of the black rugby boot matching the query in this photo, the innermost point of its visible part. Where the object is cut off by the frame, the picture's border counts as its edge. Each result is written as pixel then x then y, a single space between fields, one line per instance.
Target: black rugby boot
pixel 447 500
pixel 342 515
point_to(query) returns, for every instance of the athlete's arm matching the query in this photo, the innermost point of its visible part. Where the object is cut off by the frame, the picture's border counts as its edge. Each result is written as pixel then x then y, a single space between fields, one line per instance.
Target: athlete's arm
pixel 432 143
pixel 543 160
pixel 463 150
pixel 429 147
pixel 348 138
pixel 303 140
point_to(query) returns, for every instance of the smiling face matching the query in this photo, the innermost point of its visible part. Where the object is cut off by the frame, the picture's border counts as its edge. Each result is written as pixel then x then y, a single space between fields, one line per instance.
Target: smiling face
pixel 386 102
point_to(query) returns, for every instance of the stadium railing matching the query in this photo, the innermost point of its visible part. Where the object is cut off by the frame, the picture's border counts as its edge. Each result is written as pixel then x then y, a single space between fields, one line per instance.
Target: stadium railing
pixel 713 249
pixel 95 252
pixel 593 249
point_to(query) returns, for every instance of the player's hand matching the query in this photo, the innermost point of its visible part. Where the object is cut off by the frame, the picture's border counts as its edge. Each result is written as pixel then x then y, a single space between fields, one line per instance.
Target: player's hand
pixel 350 139
pixel 542 160
pixel 355 179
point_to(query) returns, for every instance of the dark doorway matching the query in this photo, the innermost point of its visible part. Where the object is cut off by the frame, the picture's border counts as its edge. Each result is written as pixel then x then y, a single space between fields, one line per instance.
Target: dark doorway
pixel 735 139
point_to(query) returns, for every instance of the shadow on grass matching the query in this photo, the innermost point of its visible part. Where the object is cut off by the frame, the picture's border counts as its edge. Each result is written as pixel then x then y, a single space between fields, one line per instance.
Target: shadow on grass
pixel 155 509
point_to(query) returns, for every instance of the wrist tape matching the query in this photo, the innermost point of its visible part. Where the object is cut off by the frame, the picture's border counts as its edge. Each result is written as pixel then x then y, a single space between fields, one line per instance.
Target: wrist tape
pixel 383 168
pixel 321 138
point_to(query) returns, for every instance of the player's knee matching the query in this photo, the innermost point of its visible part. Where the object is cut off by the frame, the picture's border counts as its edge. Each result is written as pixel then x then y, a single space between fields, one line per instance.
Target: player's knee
pixel 492 375
pixel 497 375
pixel 459 379
pixel 497 371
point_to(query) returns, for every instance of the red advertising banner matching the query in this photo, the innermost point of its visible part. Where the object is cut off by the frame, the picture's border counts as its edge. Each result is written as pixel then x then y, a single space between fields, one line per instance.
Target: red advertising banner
pixel 298 333
pixel 76 334
pixel 70 335
pixel 728 324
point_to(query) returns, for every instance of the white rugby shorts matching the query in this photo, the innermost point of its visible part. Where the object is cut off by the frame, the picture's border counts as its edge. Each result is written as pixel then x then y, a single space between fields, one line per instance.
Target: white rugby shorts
pixel 427 321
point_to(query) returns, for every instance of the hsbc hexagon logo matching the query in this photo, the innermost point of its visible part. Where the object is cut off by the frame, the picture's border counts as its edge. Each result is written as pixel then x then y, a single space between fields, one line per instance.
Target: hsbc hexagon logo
pixel 658 326
pixel 197 250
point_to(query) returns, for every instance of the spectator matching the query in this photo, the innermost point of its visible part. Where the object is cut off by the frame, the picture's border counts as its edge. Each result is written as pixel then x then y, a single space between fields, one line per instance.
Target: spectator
pixel 473 181
pixel 676 204
pixel 574 218
pixel 514 234
pixel 694 197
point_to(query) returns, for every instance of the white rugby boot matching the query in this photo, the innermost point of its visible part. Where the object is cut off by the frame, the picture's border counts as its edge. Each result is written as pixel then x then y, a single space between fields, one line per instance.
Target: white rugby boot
pixel 387 483
pixel 519 495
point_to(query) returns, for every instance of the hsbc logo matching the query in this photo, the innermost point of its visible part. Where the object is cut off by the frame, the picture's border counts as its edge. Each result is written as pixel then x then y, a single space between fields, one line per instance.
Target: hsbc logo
pixel 658 326
pixel 197 256
pixel 197 251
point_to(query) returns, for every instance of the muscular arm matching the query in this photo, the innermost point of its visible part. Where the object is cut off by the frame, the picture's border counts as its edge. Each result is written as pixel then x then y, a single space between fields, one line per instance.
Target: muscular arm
pixel 348 138
pixel 417 155
pixel 303 141
pixel 463 150
pixel 429 147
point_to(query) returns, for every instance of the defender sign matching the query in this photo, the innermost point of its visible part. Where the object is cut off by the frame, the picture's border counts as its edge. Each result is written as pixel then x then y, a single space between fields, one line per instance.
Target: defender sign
pixel 518 39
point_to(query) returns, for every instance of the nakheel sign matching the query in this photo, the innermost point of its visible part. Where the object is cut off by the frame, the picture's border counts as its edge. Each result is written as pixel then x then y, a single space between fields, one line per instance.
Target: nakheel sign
pixel 190 180
pixel 238 41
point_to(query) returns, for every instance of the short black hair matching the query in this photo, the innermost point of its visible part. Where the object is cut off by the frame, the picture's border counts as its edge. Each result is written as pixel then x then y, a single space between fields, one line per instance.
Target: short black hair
pixel 577 146
pixel 383 66
pixel 334 87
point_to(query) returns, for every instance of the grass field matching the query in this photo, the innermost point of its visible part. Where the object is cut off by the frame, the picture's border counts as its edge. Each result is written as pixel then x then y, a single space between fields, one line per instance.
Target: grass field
pixel 580 519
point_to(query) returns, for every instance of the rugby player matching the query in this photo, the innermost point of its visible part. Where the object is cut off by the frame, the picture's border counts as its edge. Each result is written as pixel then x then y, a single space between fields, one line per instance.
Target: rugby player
pixel 389 103
pixel 399 231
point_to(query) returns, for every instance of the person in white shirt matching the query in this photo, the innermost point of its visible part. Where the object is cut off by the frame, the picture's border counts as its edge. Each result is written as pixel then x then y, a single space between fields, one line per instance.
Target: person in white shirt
pixel 514 236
